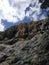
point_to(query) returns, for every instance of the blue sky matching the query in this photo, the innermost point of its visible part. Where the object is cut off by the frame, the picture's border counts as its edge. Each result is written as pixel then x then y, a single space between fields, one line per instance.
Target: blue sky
pixel 14 11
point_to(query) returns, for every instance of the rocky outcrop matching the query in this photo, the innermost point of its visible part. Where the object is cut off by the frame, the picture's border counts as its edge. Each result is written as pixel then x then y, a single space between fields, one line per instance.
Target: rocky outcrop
pixel 24 30
pixel 25 44
pixel 45 4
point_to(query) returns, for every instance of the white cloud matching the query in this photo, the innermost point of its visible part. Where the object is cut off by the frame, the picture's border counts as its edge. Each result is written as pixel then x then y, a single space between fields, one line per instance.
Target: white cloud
pixel 1 26
pixel 36 12
pixel 14 10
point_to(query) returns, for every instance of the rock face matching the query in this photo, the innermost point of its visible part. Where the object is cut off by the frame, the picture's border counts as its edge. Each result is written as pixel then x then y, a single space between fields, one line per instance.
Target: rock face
pixel 45 3
pixel 25 44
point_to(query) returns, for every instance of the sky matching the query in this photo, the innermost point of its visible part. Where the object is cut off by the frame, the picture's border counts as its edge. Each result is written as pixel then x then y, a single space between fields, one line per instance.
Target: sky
pixel 14 11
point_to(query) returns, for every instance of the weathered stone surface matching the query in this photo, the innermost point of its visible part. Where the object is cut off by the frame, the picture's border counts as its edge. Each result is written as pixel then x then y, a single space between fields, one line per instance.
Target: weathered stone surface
pixel 2 57
pixel 23 31
pixel 27 45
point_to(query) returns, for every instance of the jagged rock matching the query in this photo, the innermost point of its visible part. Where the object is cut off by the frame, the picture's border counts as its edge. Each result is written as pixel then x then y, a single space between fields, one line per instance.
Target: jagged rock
pixel 2 48
pixel 24 30
pixel 2 57
pixel 1 35
pixel 26 44
pixel 4 63
pixel 45 4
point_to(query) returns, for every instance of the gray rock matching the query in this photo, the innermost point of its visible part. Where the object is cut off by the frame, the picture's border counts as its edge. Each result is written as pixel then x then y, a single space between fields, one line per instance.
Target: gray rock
pixel 2 57
pixel 29 50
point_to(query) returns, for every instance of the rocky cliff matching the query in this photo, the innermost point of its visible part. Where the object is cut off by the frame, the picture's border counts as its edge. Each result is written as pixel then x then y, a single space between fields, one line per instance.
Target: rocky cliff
pixel 25 44
pixel 45 3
